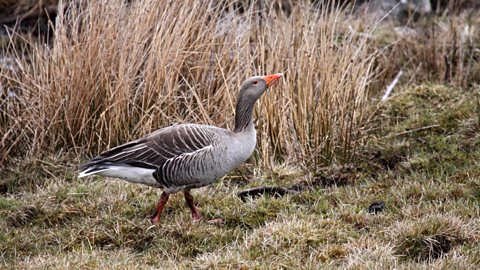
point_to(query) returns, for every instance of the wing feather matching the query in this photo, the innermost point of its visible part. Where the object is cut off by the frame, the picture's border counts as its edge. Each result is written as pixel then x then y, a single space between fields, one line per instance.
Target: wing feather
pixel 155 150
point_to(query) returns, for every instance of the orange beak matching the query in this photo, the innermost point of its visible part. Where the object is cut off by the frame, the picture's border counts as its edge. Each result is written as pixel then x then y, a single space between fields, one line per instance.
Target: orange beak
pixel 271 79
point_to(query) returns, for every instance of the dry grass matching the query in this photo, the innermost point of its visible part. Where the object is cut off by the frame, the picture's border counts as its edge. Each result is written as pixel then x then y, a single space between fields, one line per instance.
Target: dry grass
pixel 17 7
pixel 441 48
pixel 117 71
pixel 433 236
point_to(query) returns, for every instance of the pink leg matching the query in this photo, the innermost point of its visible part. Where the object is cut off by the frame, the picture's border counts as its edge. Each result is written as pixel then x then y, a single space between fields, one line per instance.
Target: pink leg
pixel 161 203
pixel 191 205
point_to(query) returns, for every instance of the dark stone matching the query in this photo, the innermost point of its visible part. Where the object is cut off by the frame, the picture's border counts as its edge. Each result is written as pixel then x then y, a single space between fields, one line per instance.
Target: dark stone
pixel 376 207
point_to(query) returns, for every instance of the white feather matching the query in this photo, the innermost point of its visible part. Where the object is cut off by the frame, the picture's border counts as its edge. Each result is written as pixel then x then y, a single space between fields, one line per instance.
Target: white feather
pixel 129 173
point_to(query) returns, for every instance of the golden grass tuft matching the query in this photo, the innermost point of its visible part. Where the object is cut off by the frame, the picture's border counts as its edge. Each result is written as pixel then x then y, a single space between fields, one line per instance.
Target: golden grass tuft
pixel 432 236
pixel 118 71
pixel 114 72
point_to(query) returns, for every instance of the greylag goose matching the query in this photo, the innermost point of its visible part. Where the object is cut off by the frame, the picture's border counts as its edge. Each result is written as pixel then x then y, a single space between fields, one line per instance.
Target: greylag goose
pixel 182 157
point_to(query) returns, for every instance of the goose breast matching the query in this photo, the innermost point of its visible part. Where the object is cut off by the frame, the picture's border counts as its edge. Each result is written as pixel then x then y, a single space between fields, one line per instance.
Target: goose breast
pixel 225 151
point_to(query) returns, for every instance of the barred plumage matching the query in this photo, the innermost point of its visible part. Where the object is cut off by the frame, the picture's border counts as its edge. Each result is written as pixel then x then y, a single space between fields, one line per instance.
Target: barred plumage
pixel 182 157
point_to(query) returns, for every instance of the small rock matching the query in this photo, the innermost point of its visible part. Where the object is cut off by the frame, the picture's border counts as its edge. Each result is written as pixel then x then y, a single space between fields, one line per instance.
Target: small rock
pixel 376 207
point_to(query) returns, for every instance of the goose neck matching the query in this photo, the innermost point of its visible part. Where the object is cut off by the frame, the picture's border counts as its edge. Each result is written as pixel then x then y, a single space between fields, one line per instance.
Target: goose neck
pixel 243 115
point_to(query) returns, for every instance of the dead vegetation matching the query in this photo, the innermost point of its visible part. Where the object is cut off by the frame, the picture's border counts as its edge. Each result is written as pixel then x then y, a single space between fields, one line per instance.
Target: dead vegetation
pixel 116 71
pixel 431 237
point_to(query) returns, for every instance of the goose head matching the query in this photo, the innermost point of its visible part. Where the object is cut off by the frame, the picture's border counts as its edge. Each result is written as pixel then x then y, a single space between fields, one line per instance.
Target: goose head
pixel 254 87
pixel 250 91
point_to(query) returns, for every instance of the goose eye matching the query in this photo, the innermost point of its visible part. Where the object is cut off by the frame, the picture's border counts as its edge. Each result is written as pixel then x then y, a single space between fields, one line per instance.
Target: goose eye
pixel 255 82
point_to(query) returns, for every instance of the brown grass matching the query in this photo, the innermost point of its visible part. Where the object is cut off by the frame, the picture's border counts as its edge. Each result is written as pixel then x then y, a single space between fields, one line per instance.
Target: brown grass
pixel 441 48
pixel 118 71
pixel 431 237
pixel 115 72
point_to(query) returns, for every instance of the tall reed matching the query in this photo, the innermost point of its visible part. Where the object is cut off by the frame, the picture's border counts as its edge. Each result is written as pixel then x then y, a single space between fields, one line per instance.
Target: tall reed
pixel 118 71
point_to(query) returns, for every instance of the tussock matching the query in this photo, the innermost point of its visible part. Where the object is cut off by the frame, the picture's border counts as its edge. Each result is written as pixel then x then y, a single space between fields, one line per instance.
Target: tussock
pixel 118 71
pixel 432 236
pixel 115 71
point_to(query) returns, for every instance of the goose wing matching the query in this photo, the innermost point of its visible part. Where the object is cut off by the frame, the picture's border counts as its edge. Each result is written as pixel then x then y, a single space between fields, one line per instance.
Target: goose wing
pixel 155 149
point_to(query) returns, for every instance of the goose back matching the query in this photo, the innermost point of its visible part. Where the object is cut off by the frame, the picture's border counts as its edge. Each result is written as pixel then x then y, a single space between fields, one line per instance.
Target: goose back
pixel 176 157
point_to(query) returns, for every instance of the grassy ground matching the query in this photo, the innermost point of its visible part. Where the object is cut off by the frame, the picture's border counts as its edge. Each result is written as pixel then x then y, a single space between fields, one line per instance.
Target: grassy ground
pixel 428 179
pixel 418 152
